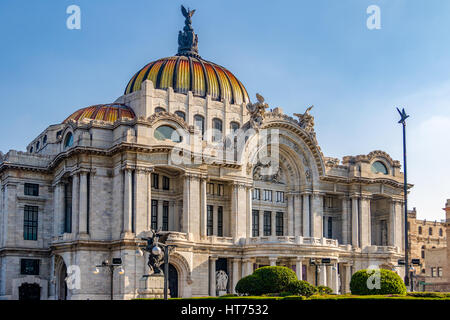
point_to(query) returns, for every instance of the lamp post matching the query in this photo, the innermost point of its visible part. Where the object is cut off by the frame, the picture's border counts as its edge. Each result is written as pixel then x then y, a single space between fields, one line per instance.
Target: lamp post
pixel 403 117
pixel 117 262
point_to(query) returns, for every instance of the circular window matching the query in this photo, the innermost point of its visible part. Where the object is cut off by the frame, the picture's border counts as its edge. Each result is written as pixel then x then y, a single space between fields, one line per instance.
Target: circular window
pixel 68 142
pixel 167 133
pixel 379 166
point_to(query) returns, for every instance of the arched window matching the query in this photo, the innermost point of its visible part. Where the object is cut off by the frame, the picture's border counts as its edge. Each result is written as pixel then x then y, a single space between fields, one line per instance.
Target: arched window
pixel 45 139
pixel 181 114
pixel 68 142
pixel 31 150
pixel 37 145
pixel 430 231
pixel 420 230
pixel 379 166
pixel 234 126
pixel 167 133
pixel 199 123
pixel 159 109
pixel 423 252
pixel 217 126
pixel 441 232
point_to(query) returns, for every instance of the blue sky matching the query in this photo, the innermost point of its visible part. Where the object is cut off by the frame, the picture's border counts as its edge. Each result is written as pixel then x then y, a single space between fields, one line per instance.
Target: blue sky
pixel 295 53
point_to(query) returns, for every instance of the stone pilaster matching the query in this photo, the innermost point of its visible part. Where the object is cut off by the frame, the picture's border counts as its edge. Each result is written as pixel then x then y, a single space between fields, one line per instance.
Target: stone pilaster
pixel 297 203
pixel 365 222
pixel 203 209
pixel 306 215
pixel 212 276
pixel 345 220
pixel 355 222
pixel 317 215
pixel 82 222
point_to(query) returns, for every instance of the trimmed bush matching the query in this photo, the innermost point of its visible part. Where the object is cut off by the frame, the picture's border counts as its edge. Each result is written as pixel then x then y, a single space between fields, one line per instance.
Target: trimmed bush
pixel 389 282
pixel 248 285
pixel 301 288
pixel 265 280
pixel 324 290
pixel 274 279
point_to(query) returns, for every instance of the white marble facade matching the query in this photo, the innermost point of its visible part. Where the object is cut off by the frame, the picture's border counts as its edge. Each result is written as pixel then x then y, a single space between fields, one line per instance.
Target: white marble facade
pixel 96 197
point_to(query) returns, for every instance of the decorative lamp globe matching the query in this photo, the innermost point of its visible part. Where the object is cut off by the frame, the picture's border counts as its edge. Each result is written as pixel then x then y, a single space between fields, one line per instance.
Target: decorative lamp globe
pixel 156 251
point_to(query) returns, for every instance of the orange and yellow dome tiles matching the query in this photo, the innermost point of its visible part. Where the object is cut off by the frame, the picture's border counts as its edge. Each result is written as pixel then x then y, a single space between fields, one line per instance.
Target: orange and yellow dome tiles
pixel 104 112
pixel 185 73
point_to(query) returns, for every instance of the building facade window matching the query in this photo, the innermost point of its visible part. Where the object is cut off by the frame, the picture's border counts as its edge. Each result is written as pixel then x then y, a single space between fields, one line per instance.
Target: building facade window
pixel 267 223
pixel 441 233
pixel 210 188
pixel 154 217
pixel 220 189
pixel 31 189
pixel 30 223
pixel 68 141
pixel 439 272
pixel 210 221
pixel 29 267
pixel 423 252
pixel 430 231
pixel 220 221
pixel 256 194
pixel 280 196
pixel 420 230
pixel 433 271
pixel 167 133
pixel 199 123
pixel 255 223
pixel 279 224
pixel 155 180
pixel 379 167
pixel 330 228
pixel 234 126
pixel 166 183
pixel 267 195
pixel 159 109
pixel 217 127
pixel 165 217
pixel 68 207
pixel 181 114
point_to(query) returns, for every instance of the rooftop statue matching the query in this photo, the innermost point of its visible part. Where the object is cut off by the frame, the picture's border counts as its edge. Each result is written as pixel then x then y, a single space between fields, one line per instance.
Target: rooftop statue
pixel 306 120
pixel 257 111
pixel 187 39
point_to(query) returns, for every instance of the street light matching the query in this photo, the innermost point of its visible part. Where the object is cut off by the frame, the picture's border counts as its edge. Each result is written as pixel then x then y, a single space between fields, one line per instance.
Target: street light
pixel 117 263
pixel 403 117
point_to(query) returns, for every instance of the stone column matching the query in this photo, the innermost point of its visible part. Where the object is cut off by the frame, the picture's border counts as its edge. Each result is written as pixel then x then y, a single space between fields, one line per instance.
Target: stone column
pixel 142 200
pixel 249 212
pixel 334 285
pixel 273 261
pixel 317 216
pixel 322 270
pixel 297 202
pixel 290 214
pixel 75 203
pixel 82 226
pixel 355 222
pixel 273 215
pixel 299 268
pixel 261 223
pixel 186 197
pixel 330 276
pixel 203 209
pixel 347 278
pixel 127 203
pixel 212 276
pixel 58 223
pixel 345 220
pixel 306 216
pixel 365 222
pixel 248 267
pixel 235 274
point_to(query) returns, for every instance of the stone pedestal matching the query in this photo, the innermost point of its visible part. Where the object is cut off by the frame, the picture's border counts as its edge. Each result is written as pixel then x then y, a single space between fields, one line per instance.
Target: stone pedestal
pixel 151 287
pixel 221 293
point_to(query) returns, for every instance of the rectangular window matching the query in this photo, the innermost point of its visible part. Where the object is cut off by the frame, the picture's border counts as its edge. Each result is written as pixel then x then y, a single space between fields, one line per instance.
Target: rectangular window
pixel 154 221
pixel 255 223
pixel 209 226
pixel 329 202
pixel 68 207
pixel 220 221
pixel 268 195
pixel 31 189
pixel 165 226
pixel 330 228
pixel 29 266
pixel 256 194
pixel 30 223
pixel 279 224
pixel 166 183
pixel 439 272
pixel 155 180
pixel 433 272
pixel 280 196
pixel 267 223
pixel 220 189
pixel 210 188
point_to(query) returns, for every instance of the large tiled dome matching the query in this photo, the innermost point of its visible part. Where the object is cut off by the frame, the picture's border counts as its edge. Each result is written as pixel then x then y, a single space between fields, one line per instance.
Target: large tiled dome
pixel 105 112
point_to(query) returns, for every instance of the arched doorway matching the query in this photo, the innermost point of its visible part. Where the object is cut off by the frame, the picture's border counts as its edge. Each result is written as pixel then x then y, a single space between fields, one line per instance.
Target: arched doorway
pixel 173 280
pixel 29 291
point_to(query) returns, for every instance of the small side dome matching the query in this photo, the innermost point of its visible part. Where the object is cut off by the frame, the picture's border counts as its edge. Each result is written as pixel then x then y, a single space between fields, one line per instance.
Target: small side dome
pixel 104 112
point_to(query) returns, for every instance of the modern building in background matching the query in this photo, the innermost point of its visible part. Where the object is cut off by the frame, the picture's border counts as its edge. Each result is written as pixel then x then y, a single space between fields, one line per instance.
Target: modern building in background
pixel 89 188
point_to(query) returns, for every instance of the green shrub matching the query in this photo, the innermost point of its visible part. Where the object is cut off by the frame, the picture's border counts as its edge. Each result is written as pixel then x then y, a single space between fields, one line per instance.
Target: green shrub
pixel 249 285
pixel 324 290
pixel 274 279
pixel 389 282
pixel 429 294
pixel 266 280
pixel 302 288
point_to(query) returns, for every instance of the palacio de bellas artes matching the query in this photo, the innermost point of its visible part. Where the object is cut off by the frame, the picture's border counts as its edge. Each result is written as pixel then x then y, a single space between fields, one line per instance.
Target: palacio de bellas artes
pixel 231 183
